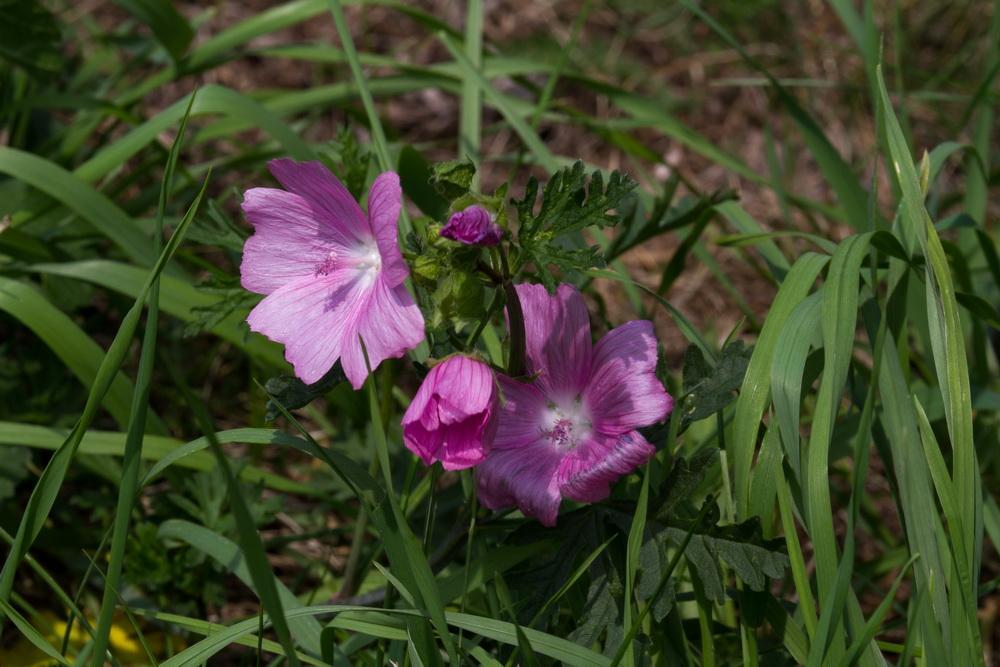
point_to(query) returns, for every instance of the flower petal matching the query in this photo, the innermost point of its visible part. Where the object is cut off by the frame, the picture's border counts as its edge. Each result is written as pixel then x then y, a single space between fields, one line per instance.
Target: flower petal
pixel 521 466
pixel 289 241
pixel 452 419
pixel 557 333
pixel 623 392
pixel 390 324
pixel 384 202
pixel 586 473
pixel 314 318
pixel 522 411
pixel 465 387
pixel 523 477
pixel 330 200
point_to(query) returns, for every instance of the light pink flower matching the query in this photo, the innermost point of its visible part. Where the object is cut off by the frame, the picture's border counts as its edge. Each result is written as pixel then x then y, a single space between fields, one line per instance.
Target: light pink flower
pixel 473 226
pixel 571 431
pixel 452 418
pixel 330 273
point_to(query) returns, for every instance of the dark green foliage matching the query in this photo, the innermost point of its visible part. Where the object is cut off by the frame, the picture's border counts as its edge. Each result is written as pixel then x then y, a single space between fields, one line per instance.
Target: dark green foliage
pixel 348 160
pixel 293 393
pixel 652 562
pixel 684 477
pixel 570 203
pixel 453 179
pixel 665 216
pixel 230 298
pixel 30 37
pixel 753 559
pixel 178 576
pixel 170 28
pixel 415 178
pixel 602 612
pixel 708 388
pixel 446 272
pixel 13 469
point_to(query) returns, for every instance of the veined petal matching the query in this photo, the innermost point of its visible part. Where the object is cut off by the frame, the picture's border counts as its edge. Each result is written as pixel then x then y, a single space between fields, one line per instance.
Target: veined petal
pixel 466 389
pixel 289 242
pixel 525 477
pixel 313 318
pixel 384 202
pixel 330 200
pixel 390 324
pixel 452 418
pixel 623 392
pixel 557 333
pixel 586 473
pixel 521 466
pixel 522 411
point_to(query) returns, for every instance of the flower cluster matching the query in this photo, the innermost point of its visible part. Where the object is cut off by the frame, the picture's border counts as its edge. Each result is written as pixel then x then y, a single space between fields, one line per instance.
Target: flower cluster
pixel 335 283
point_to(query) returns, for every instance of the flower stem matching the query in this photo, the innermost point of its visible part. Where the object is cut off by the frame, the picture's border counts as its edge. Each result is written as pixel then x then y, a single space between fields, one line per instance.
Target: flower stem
pixel 515 365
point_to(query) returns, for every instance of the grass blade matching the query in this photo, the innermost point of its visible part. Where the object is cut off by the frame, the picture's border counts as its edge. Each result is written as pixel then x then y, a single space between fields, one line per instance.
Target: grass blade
pixel 43 496
pixel 132 457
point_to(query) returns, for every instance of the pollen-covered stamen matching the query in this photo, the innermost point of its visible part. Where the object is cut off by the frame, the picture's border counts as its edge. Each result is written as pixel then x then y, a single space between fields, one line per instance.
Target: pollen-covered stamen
pixel 566 424
pixel 364 258
pixel 328 264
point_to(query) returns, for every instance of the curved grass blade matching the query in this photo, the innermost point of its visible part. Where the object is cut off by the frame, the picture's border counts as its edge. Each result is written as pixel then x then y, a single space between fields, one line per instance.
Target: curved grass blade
pixel 132 456
pixel 530 138
pixel 73 192
pixel 471 108
pixel 265 583
pixel 29 632
pixel 867 633
pixel 178 297
pixel 756 388
pixel 951 368
pixel 163 450
pixel 838 318
pixel 306 630
pixel 44 495
pixel 838 173
pixel 211 99
pixel 74 347
pixel 351 54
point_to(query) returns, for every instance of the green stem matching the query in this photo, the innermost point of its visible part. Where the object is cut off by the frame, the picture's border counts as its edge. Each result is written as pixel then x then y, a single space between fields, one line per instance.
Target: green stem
pixel 515 365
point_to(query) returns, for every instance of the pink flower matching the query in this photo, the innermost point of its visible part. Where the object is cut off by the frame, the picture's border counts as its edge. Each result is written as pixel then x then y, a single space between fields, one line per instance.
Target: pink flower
pixel 571 431
pixel 473 226
pixel 452 418
pixel 331 274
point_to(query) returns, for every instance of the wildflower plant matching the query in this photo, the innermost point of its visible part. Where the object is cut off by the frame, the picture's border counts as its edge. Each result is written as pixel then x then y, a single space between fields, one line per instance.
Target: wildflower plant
pixel 558 419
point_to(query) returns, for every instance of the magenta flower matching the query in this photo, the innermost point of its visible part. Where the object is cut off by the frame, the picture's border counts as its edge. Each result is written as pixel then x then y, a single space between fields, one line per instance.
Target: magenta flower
pixel 453 417
pixel 473 226
pixel 330 273
pixel 571 431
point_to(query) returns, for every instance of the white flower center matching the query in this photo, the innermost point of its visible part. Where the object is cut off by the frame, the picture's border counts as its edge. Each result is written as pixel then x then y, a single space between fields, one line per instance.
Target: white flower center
pixel 365 259
pixel 566 424
pixel 368 258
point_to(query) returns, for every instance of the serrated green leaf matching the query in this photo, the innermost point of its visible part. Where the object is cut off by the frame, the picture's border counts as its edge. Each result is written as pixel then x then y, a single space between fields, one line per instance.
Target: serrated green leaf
pixel 569 204
pixel 709 389
pixel 453 178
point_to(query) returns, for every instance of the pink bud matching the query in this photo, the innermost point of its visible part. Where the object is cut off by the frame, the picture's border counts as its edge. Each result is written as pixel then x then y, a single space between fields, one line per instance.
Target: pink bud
pixel 473 226
pixel 452 419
